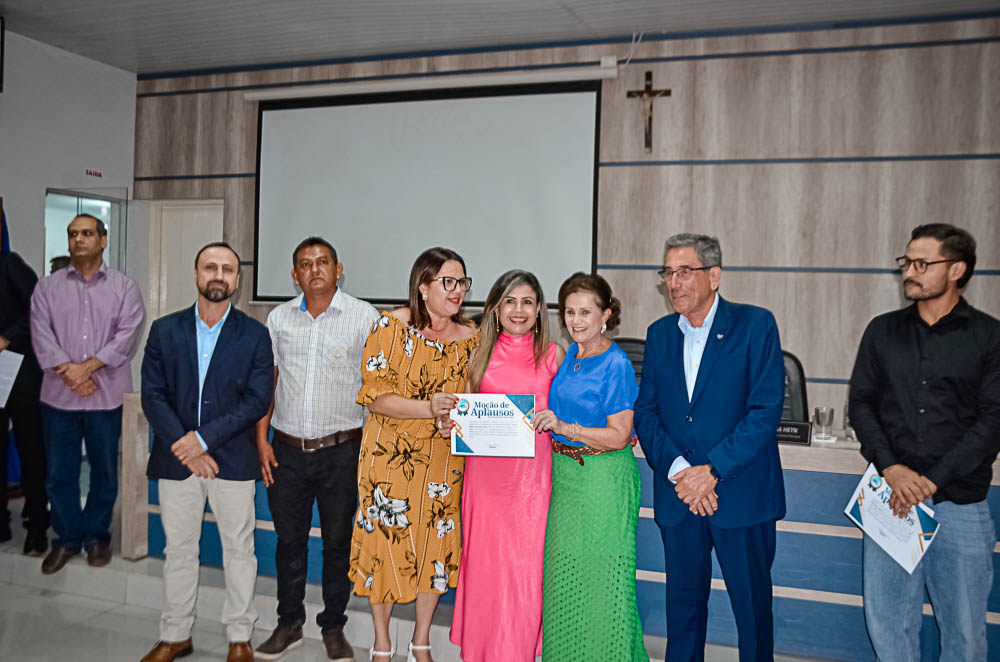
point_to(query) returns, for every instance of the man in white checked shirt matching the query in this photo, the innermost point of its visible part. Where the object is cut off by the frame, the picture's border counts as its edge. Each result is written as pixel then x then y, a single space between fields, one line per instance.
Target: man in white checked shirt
pixel 317 339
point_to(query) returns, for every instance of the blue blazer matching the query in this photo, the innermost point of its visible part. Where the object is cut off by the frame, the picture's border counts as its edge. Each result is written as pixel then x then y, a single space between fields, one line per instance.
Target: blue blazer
pixel 731 421
pixel 238 388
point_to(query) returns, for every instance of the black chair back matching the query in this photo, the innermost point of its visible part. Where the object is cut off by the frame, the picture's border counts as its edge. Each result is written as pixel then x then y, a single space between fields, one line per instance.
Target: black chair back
pixel 796 403
pixel 635 348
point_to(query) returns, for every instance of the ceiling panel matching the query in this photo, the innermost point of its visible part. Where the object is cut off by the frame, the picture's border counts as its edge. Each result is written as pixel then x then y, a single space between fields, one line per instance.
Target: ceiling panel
pixel 150 36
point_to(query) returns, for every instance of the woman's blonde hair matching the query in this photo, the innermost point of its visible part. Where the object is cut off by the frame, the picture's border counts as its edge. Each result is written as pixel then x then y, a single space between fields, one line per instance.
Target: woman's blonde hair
pixel 489 330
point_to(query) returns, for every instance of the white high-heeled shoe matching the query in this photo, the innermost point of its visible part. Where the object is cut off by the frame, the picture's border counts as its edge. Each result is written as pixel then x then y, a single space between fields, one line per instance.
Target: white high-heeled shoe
pixel 372 653
pixel 410 657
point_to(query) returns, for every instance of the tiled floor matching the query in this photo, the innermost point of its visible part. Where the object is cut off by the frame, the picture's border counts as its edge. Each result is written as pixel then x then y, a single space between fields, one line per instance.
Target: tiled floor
pixel 38 625
pixel 41 626
pixel 112 614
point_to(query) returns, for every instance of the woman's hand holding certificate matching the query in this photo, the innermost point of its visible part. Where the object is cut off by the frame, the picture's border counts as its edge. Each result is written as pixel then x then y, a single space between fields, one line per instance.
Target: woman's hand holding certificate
pixel 493 424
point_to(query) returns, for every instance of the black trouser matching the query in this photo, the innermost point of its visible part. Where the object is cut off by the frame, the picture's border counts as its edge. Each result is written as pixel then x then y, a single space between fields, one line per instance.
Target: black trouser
pixel 328 477
pixel 27 419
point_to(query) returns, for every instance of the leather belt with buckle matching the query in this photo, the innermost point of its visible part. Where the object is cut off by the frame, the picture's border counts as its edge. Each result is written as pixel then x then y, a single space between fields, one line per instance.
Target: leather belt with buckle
pixel 313 445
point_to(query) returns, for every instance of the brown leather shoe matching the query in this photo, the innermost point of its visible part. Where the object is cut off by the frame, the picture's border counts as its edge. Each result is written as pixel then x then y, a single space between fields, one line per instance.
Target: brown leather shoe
pixel 98 555
pixel 57 558
pixel 336 645
pixel 167 651
pixel 240 651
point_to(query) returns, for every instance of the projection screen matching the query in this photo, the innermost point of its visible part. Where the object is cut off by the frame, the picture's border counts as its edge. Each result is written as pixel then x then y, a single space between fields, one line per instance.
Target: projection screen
pixel 506 176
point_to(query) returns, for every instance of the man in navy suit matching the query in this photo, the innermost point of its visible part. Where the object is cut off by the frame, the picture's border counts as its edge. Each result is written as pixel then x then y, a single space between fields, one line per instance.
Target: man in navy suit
pixel 709 405
pixel 207 378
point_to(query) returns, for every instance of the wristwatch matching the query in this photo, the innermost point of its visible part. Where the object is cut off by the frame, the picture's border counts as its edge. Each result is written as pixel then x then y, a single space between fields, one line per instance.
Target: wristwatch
pixel 715 474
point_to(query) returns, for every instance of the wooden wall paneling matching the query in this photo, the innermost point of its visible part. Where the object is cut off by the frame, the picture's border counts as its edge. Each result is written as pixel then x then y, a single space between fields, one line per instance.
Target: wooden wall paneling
pixel 238 221
pixel 828 395
pixel 650 47
pixel 195 134
pixel 983 291
pixel 179 189
pixel 929 100
pixel 812 214
pixel 821 317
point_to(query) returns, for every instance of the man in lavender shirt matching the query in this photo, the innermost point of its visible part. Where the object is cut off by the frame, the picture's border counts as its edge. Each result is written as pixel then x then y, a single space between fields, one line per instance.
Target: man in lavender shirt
pixel 85 320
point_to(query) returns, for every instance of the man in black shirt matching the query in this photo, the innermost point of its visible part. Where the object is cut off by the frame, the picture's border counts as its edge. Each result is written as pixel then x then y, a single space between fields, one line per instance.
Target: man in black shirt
pixel 17 281
pixel 925 403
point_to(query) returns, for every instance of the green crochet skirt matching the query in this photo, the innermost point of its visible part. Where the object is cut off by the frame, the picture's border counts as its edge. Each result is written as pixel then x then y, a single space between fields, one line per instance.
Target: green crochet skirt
pixel 588 596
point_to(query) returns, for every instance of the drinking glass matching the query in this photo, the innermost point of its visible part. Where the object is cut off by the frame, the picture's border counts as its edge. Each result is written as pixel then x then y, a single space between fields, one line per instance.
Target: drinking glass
pixel 824 424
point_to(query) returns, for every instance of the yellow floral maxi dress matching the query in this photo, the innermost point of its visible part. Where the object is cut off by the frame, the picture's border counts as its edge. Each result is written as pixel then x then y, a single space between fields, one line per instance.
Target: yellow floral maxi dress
pixel 407 538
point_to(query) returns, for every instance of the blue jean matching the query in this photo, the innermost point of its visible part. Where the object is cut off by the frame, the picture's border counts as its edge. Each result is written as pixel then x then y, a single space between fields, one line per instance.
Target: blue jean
pixel 100 431
pixel 957 571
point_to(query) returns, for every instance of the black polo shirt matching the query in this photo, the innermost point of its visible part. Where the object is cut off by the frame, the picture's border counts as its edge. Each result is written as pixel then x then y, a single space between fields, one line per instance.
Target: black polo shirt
pixel 928 397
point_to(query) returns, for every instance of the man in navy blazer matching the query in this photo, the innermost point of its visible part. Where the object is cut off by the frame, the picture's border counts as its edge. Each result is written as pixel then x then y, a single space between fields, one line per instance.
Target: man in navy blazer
pixel 709 405
pixel 207 378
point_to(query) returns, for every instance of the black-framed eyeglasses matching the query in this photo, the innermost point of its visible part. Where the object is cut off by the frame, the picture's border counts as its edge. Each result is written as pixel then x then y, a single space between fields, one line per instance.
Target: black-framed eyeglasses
pixel 449 284
pixel 682 273
pixel 920 265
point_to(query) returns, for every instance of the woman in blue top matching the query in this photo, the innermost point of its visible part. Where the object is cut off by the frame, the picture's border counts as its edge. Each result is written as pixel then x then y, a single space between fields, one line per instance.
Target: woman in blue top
pixel 588 589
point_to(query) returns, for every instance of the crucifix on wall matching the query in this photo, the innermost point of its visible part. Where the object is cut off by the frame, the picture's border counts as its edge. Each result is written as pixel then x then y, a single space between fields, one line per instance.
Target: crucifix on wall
pixel 647 94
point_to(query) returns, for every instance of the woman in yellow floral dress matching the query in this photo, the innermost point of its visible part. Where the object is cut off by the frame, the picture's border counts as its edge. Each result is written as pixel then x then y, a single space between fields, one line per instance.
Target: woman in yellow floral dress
pixel 407 542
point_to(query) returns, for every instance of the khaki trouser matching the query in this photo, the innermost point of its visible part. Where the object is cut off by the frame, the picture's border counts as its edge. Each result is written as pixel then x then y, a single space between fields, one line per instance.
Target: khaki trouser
pixel 182 505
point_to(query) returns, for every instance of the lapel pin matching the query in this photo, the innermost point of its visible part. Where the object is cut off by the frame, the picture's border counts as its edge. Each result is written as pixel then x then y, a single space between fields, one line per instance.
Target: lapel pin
pixel 719 336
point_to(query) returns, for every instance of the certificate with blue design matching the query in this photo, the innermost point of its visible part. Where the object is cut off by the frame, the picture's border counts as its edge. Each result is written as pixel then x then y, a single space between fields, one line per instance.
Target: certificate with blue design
pixel 904 539
pixel 493 425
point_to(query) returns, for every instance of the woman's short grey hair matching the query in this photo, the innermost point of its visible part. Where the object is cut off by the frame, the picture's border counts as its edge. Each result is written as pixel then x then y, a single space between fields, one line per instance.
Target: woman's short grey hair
pixel 708 248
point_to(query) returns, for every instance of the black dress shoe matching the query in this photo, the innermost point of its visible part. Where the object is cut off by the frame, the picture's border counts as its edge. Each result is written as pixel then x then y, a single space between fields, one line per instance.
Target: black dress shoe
pixel 57 558
pixel 98 555
pixel 36 544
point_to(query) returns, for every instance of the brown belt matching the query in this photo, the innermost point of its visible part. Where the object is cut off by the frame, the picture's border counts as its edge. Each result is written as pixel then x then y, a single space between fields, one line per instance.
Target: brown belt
pixel 575 452
pixel 313 445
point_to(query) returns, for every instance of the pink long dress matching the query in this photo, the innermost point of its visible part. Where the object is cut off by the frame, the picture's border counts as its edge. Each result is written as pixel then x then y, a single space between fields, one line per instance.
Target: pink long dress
pixel 505 504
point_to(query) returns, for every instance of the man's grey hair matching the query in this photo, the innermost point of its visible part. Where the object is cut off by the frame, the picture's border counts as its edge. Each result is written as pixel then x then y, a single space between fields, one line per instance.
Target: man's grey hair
pixel 708 248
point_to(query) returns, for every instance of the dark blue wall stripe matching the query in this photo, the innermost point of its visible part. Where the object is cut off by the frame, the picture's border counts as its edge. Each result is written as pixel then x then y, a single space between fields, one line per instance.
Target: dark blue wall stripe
pixel 904 158
pixel 789 270
pixel 224 175
pixel 663 36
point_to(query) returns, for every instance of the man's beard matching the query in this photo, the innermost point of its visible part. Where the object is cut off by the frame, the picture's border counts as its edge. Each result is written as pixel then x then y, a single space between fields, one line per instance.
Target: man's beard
pixel 921 293
pixel 216 291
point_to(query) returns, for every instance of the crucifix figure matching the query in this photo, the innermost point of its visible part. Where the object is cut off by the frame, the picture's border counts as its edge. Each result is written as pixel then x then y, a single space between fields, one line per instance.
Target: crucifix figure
pixel 647 94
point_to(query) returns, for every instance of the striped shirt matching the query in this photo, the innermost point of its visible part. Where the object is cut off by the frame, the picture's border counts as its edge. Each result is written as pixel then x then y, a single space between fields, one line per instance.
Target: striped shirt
pixel 319 365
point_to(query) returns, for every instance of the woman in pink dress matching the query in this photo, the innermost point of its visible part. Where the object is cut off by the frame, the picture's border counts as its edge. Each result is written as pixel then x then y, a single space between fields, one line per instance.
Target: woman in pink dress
pixel 505 501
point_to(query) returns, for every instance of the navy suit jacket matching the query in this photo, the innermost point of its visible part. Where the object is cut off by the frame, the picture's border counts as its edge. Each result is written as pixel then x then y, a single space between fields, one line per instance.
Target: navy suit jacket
pixel 731 421
pixel 238 388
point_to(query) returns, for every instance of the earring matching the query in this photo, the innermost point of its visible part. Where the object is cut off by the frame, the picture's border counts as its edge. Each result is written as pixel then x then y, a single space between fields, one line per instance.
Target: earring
pixel 424 296
pixel 496 316
pixel 604 327
pixel 538 324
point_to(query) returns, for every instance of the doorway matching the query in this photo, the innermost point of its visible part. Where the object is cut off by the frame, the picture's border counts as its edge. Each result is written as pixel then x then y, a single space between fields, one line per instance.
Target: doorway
pixel 109 205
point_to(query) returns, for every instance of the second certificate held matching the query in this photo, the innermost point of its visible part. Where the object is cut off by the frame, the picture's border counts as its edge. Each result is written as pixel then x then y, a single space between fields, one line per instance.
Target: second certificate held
pixel 491 424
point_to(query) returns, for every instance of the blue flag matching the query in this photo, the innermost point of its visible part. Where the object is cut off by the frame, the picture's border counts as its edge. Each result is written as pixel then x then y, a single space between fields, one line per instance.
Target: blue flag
pixel 4 236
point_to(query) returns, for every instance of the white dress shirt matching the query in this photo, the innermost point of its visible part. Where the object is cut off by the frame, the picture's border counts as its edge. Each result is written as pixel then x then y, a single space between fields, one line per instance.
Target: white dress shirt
pixel 319 365
pixel 694 347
